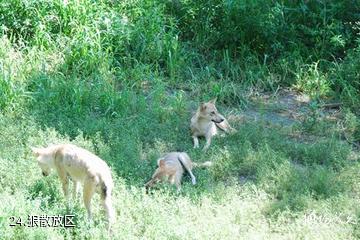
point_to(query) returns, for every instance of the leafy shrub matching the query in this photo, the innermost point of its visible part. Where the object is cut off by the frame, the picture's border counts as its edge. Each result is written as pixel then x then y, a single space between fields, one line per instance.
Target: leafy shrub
pixel 313 82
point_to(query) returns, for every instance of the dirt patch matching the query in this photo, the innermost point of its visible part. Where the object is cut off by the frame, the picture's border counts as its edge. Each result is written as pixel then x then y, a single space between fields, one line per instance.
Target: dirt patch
pixel 284 108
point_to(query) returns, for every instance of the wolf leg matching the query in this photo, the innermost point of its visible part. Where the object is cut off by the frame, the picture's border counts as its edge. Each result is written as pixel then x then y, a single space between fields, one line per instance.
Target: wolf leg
pixel 107 204
pixel 196 141
pixel 88 192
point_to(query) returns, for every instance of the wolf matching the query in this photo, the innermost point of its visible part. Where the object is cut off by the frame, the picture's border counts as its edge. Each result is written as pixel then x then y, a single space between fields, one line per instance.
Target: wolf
pixel 205 122
pixel 81 166
pixel 171 167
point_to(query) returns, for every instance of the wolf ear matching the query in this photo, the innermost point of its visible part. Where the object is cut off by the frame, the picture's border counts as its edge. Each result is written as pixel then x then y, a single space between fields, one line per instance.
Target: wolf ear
pixel 202 106
pixel 213 101
pixel 36 151
pixel 161 163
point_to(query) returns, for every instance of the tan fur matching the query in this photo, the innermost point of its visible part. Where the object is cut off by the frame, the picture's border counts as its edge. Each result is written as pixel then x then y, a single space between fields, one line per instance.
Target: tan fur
pixel 205 123
pixel 82 167
pixel 170 169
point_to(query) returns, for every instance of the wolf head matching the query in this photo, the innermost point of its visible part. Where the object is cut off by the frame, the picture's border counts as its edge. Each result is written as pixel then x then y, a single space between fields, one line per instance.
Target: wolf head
pixel 44 158
pixel 208 111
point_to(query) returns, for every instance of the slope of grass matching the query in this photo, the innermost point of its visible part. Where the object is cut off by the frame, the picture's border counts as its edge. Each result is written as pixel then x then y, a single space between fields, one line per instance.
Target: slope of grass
pixel 292 189
pixel 279 200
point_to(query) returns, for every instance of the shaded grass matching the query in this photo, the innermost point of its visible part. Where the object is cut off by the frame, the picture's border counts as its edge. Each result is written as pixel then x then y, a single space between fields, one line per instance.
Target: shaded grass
pixel 277 184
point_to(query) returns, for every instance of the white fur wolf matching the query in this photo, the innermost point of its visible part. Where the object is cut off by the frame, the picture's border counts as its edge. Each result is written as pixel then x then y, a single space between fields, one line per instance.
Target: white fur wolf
pixel 172 166
pixel 205 123
pixel 81 166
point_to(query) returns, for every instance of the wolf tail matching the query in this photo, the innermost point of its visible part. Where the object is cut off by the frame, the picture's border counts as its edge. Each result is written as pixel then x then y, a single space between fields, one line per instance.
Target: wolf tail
pixel 203 165
pixel 182 161
pixel 225 126
pixel 106 189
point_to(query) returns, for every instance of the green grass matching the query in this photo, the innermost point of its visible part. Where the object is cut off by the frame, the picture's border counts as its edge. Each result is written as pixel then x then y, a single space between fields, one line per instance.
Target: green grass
pixel 122 79
pixel 316 198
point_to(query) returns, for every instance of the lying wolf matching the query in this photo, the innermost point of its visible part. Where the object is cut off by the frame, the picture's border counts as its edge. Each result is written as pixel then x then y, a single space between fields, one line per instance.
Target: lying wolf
pixel 205 123
pixel 81 166
pixel 171 167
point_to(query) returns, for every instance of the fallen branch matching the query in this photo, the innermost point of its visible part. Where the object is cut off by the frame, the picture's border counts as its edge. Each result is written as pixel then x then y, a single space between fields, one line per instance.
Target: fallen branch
pixel 331 105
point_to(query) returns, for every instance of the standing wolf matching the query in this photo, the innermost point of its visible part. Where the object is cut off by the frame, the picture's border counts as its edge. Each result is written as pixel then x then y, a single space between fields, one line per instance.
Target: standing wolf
pixel 81 166
pixel 172 167
pixel 205 123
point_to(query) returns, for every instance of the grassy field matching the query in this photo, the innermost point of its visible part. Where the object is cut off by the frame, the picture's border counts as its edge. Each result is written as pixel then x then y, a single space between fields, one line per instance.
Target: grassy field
pixel 122 79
